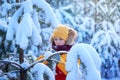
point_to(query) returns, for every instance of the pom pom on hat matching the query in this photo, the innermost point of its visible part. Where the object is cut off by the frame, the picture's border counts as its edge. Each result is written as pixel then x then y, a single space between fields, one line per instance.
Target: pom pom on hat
pixel 61 31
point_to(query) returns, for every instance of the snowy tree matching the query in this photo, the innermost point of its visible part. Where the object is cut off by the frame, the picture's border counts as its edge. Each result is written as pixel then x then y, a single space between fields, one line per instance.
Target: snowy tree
pixel 107 45
pixel 116 26
pixel 3 28
pixel 24 31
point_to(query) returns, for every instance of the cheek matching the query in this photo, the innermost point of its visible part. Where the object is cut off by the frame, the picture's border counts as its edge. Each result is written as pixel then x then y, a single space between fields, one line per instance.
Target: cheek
pixel 59 43
pixel 62 43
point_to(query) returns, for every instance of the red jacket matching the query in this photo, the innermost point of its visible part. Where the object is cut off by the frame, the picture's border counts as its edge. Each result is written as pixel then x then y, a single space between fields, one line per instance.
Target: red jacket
pixel 61 73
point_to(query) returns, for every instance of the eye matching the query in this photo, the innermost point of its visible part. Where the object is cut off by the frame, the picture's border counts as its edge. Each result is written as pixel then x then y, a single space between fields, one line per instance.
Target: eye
pixel 55 39
pixel 60 39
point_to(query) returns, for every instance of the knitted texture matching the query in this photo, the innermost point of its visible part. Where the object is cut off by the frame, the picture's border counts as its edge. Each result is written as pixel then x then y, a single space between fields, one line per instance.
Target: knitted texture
pixel 61 31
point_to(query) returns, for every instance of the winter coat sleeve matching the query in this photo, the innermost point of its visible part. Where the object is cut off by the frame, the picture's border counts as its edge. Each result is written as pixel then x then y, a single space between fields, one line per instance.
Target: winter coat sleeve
pixel 51 61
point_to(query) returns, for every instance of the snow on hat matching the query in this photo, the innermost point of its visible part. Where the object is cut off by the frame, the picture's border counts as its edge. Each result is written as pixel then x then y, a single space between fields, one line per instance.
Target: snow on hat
pixel 61 31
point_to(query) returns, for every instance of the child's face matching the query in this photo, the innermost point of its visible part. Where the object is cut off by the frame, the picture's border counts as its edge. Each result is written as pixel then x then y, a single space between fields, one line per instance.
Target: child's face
pixel 58 41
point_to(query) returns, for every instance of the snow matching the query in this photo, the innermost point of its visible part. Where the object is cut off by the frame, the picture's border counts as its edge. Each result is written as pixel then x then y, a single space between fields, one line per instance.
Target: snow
pixel 47 55
pixel 40 69
pixel 23 41
pixel 106 25
pixel 88 25
pixel 50 16
pixel 25 29
pixel 46 32
pixel 86 54
pixel 36 38
pixel 116 25
pixel 35 20
pixel 6 7
pixel 27 6
pixel 13 24
pixel 3 25
pixel 26 25
pixel 67 16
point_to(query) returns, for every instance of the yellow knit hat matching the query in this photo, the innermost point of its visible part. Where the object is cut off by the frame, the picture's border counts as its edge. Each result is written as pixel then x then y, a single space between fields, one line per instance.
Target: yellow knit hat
pixel 61 31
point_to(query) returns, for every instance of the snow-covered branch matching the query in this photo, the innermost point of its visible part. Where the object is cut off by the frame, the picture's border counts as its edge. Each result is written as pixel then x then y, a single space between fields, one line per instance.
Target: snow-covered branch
pixel 89 57
pixel 42 69
pixel 11 62
pixel 49 13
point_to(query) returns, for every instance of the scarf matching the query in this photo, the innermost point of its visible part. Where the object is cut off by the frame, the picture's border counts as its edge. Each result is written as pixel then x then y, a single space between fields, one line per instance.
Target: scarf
pixel 62 48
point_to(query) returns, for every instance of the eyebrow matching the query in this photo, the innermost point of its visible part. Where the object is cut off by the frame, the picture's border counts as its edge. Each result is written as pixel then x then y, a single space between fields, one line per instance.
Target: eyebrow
pixel 58 38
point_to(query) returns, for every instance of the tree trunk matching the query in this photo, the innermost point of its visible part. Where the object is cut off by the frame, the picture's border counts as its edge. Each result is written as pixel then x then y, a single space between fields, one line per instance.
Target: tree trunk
pixel 23 72
pixel 17 1
pixel 21 55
